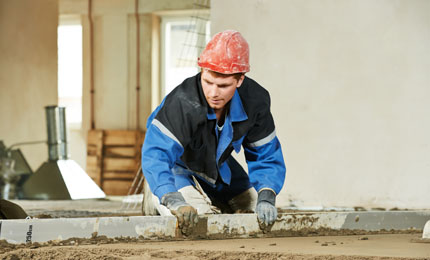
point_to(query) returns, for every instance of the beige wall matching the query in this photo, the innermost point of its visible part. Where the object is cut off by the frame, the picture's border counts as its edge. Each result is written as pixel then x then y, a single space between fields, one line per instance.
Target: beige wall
pixel 28 67
pixel 114 33
pixel 350 87
pixel 28 72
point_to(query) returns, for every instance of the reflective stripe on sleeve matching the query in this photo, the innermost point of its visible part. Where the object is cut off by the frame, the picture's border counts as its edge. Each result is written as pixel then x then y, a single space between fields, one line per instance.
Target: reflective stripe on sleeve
pixel 264 141
pixel 165 131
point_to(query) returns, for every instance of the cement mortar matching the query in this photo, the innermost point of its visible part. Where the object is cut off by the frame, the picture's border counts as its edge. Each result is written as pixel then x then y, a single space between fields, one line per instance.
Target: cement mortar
pixel 110 254
pixel 96 239
pixel 99 247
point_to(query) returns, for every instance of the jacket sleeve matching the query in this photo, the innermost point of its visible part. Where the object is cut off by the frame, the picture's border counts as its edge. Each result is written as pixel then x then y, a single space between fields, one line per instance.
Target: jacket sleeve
pixel 160 151
pixel 168 131
pixel 266 165
pixel 263 151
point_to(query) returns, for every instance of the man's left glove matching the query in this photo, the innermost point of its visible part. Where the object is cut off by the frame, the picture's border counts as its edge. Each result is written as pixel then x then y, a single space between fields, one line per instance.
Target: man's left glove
pixel 187 215
pixel 266 210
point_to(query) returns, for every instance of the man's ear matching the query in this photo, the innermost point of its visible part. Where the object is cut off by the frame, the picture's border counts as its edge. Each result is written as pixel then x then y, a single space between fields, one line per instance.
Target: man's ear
pixel 240 81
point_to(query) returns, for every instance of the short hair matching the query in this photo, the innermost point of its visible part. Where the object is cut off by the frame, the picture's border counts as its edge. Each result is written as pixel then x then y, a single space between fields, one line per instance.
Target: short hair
pixel 237 76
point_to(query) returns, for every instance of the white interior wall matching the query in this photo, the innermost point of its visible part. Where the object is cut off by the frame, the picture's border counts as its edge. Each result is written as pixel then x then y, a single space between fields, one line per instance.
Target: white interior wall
pixel 28 73
pixel 349 82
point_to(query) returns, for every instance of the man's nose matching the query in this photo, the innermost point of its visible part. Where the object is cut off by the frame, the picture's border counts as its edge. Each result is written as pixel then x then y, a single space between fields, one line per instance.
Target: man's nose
pixel 214 91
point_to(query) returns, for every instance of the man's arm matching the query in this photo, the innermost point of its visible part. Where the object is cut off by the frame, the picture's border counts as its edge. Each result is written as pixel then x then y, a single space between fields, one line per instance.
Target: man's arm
pixel 263 152
pixel 267 174
pixel 266 165
pixel 159 154
pixel 160 151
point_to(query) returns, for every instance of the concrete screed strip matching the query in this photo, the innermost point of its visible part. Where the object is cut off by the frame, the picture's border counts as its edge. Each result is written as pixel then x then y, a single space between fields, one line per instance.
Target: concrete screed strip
pixel 212 226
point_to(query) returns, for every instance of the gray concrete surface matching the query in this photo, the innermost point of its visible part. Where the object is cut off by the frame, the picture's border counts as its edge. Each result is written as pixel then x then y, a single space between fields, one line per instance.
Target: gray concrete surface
pixel 210 226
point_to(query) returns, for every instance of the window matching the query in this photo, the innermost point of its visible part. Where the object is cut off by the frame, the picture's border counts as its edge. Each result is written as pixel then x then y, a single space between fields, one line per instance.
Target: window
pixel 70 69
pixel 183 39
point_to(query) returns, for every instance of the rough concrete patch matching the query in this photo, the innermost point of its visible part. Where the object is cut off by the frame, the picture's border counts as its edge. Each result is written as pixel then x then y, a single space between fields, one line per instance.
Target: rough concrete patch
pixel 421 240
pixel 377 220
pixel 127 252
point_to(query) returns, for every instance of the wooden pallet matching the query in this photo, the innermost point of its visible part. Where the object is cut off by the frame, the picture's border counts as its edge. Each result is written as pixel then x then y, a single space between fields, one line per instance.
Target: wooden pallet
pixel 113 158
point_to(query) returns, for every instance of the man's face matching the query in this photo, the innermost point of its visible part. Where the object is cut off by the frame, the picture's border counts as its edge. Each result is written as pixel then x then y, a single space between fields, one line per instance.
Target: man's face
pixel 219 89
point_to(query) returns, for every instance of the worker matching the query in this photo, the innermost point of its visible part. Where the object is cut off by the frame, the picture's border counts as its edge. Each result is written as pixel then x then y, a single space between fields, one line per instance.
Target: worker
pixel 186 155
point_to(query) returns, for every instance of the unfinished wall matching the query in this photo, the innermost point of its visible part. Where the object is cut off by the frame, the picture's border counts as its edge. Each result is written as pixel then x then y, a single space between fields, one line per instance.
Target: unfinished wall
pixel 28 72
pixel 350 91
pixel 114 24
pixel 115 57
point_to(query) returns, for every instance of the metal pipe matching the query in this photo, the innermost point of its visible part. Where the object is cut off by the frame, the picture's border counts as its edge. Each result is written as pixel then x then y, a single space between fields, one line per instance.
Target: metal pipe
pixel 137 65
pixel 90 20
pixel 8 178
pixel 57 136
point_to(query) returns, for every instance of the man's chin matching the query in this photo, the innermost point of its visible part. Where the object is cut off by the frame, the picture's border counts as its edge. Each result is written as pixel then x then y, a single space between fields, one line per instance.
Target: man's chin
pixel 215 106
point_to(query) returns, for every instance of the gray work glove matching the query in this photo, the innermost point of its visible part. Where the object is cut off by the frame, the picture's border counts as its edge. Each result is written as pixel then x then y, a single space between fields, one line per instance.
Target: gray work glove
pixel 187 215
pixel 266 210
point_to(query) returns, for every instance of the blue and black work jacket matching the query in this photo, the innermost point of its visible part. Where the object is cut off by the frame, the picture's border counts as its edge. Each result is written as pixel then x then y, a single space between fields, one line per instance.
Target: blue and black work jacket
pixel 182 131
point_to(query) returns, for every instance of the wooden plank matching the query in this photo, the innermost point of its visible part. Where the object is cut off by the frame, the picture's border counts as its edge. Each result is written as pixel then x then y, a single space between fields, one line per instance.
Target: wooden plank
pixel 129 175
pixel 116 187
pixel 120 152
pixel 95 142
pixel 95 137
pixel 120 137
pixel 141 138
pixel 92 163
pixel 93 168
pixel 113 154
pixel 119 164
pixel 92 150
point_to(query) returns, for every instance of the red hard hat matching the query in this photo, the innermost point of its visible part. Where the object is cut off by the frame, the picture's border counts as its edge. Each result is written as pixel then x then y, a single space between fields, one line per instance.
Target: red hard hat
pixel 227 53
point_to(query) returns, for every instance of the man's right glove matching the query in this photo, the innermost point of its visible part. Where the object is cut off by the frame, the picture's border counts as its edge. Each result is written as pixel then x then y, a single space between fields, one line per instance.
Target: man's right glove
pixel 266 210
pixel 187 215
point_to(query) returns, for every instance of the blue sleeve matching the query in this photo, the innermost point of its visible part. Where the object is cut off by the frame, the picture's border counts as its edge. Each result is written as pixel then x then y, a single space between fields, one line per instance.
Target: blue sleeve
pixel 266 165
pixel 159 154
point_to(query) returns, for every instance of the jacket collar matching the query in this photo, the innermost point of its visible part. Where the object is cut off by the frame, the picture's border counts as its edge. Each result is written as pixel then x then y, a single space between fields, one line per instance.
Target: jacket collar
pixel 211 114
pixel 237 112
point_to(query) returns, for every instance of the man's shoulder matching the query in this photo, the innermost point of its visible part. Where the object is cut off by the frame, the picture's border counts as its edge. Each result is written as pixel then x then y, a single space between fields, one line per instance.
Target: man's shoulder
pixel 188 88
pixel 252 92
pixel 186 97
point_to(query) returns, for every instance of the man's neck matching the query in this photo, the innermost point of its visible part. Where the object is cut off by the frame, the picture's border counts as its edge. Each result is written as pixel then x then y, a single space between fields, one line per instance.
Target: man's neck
pixel 220 115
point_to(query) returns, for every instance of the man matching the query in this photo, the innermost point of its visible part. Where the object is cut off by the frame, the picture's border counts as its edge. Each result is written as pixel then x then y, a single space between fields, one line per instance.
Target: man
pixel 186 156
